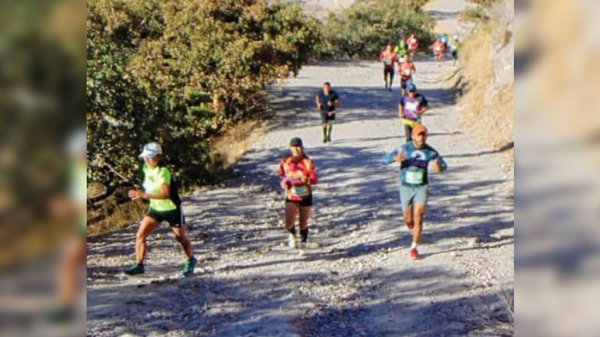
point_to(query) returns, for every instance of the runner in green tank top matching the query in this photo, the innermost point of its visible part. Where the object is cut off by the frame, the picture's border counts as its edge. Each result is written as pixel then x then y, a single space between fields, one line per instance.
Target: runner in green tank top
pixel 165 206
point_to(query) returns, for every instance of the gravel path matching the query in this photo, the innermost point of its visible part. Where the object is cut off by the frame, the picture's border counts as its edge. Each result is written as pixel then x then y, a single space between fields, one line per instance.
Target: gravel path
pixel 355 278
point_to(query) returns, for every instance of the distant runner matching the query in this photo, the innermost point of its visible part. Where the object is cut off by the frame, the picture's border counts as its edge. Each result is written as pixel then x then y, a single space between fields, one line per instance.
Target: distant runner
pixel 410 109
pixel 401 49
pixel 327 100
pixel 298 175
pixel 414 158
pixel 413 43
pixel 389 59
pixel 438 48
pixel 165 205
pixel 406 70
pixel 445 41
pixel 454 47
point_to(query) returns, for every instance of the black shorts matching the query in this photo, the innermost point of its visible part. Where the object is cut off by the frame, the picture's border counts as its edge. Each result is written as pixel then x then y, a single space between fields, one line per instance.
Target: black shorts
pixel 306 202
pixel 325 118
pixel 175 218
pixel 404 83
pixel 389 71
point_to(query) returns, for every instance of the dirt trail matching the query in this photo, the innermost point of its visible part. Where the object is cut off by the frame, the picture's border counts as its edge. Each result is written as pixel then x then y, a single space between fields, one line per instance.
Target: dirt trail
pixel 356 278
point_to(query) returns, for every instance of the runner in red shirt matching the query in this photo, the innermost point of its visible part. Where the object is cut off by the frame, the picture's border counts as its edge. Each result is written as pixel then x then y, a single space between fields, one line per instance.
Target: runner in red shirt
pixel 297 172
pixel 439 49
pixel 406 71
pixel 413 43
pixel 389 58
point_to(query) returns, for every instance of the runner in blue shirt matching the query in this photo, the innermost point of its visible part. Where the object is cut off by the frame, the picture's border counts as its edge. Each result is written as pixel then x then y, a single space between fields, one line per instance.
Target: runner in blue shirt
pixel 414 158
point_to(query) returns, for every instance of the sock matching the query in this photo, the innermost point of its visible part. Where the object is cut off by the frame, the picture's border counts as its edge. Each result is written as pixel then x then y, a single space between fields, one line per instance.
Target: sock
pixel 414 245
pixel 292 230
pixel 304 234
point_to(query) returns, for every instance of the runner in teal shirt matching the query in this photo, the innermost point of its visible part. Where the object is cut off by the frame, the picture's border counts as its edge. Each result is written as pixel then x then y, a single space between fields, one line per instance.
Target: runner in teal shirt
pixel 414 158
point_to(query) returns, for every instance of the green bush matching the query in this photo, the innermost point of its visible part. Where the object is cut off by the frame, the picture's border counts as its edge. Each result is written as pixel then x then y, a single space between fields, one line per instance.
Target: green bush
pixel 363 29
pixel 180 71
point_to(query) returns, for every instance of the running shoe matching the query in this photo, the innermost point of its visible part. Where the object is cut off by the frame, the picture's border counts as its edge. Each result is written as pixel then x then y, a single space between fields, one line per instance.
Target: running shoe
pixel 291 240
pixel 414 254
pixel 188 267
pixel 135 269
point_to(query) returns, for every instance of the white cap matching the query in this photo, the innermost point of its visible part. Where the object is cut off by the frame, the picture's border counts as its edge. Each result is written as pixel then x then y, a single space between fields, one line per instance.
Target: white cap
pixel 151 150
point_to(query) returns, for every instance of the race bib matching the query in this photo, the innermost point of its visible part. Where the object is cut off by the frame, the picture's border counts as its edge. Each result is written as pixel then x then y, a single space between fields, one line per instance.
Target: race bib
pixel 414 177
pixel 406 72
pixel 411 106
pixel 387 62
pixel 300 191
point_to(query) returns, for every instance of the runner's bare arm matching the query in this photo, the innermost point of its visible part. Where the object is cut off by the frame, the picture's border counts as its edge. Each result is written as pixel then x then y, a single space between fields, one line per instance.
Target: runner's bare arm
pixel 318 101
pixel 400 110
pixel 137 194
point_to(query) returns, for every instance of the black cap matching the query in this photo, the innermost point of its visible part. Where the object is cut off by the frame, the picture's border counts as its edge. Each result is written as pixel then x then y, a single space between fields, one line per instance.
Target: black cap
pixel 295 141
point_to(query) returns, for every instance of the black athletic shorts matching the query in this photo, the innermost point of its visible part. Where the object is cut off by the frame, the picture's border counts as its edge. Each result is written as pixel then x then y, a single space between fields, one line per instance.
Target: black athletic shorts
pixel 389 71
pixel 404 83
pixel 325 118
pixel 306 202
pixel 175 218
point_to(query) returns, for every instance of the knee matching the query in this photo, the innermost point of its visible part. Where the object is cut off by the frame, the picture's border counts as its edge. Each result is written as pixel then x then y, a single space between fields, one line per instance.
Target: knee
pixel 141 237
pixel 181 238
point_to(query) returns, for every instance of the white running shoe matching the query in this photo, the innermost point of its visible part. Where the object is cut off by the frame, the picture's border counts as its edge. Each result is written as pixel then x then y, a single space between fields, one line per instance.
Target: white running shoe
pixel 291 241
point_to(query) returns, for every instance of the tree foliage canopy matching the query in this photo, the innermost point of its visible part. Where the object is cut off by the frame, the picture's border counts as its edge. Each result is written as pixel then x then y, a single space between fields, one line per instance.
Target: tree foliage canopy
pixel 178 72
pixel 364 28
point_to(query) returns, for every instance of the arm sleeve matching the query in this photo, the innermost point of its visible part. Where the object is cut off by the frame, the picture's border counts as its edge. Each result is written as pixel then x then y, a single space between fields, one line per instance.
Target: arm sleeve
pixel 390 157
pixel 441 160
pixel 424 102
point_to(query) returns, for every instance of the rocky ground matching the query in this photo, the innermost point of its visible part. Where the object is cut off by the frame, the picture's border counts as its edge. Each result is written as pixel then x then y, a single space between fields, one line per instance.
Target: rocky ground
pixel 355 278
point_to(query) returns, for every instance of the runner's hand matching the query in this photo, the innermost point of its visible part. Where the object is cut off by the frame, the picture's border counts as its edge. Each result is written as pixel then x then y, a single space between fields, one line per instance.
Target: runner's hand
pixel 436 166
pixel 134 195
pixel 400 157
pixel 284 184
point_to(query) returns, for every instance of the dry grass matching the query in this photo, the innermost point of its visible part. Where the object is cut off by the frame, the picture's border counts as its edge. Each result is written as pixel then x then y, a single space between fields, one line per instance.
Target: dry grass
pixel 484 107
pixel 234 143
pixel 112 215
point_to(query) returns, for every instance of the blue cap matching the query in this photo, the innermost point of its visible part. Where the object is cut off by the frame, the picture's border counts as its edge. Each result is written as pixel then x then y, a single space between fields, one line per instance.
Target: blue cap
pixel 411 87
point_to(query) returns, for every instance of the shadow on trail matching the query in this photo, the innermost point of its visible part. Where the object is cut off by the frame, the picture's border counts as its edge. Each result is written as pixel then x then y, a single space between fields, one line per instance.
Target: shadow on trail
pixel 297 108
pixel 264 305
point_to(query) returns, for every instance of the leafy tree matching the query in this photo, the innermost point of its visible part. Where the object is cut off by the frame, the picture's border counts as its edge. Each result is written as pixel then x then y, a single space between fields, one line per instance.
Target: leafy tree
pixel 179 72
pixel 364 28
